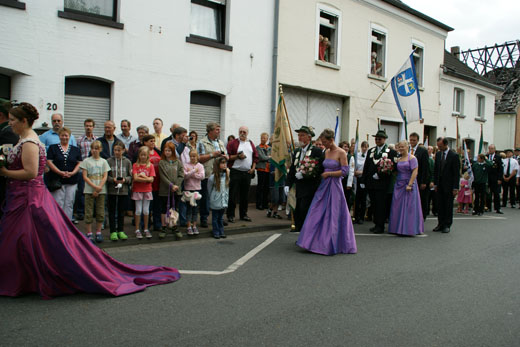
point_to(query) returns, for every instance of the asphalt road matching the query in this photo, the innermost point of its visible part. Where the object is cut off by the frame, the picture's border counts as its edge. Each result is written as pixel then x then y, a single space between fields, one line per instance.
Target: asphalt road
pixel 457 289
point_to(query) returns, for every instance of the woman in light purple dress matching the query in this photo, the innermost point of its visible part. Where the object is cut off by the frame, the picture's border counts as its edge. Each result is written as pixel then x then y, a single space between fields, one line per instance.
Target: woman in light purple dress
pixel 328 227
pixel 406 216
pixel 41 251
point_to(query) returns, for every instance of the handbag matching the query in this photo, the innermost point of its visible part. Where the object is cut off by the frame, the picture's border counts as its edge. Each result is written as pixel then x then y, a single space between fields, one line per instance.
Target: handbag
pixel 53 182
pixel 172 216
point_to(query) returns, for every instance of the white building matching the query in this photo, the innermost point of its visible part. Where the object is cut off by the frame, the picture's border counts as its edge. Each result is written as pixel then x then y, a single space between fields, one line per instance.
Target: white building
pixel 369 41
pixel 188 62
pixel 471 98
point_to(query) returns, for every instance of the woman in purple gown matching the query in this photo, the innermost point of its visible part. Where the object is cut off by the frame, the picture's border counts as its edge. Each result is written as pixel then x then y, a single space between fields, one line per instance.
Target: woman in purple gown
pixel 328 227
pixel 406 216
pixel 41 251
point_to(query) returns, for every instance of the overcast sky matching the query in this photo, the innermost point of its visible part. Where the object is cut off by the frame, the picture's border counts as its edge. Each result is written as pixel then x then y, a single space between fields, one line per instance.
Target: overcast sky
pixel 477 23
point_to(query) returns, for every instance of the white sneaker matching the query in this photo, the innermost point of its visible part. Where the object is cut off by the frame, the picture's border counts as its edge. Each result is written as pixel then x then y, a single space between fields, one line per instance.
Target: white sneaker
pixel 138 234
pixel 279 207
pixel 148 234
pixel 190 231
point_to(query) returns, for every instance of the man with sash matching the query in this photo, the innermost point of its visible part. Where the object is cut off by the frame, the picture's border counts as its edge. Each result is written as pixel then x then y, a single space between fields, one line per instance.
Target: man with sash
pixel 379 184
pixel 306 185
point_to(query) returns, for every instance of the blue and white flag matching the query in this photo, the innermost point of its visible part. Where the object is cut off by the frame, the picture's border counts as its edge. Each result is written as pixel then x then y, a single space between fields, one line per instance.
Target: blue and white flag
pixel 406 92
pixel 467 163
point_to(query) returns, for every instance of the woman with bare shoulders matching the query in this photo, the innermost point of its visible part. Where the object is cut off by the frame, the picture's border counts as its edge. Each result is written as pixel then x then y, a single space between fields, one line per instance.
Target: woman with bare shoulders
pixel 41 251
pixel 406 216
pixel 328 227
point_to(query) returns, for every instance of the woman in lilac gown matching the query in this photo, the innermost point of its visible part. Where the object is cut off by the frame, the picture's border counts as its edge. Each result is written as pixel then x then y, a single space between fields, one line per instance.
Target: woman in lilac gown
pixel 406 216
pixel 41 251
pixel 328 227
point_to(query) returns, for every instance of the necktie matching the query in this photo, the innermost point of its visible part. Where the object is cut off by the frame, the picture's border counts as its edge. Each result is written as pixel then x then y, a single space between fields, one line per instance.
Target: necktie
pixel 413 151
pixel 508 171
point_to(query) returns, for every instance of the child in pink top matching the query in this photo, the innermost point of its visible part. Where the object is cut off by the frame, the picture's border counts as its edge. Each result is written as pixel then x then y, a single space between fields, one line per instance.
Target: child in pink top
pixel 464 196
pixel 143 174
pixel 193 176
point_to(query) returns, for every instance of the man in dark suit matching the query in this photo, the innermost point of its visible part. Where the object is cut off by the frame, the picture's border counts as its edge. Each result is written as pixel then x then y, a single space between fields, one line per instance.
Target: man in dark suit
pixel 423 174
pixel 305 186
pixel 446 180
pixel 378 184
pixel 495 175
pixel 7 137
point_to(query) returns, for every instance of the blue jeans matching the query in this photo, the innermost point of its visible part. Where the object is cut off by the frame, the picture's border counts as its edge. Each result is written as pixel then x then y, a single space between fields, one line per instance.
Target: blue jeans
pixel 204 203
pixel 217 221
pixel 183 207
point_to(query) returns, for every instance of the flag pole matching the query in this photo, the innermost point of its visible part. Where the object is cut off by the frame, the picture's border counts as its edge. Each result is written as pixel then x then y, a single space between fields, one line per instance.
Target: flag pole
pixel 380 94
pixel 405 126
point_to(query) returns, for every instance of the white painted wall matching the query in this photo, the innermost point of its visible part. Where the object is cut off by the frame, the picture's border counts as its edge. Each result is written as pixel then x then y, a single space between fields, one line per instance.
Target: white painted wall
pixel 297 65
pixel 152 72
pixel 469 127
pixel 504 131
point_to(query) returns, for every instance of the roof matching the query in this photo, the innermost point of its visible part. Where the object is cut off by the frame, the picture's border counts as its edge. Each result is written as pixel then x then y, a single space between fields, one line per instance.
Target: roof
pixel 401 5
pixel 454 67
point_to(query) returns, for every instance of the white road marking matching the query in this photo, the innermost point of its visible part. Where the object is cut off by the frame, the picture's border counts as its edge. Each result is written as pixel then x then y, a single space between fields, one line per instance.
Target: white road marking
pixel 386 235
pixel 463 218
pixel 237 264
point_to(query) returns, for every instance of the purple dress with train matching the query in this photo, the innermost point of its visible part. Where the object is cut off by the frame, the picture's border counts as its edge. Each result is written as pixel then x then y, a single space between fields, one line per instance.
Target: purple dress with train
pixel 406 216
pixel 328 227
pixel 42 252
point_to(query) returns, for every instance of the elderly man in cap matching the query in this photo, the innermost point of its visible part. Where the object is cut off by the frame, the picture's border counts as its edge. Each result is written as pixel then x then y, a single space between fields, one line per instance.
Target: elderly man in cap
pixel 7 137
pixel 305 186
pixel 379 185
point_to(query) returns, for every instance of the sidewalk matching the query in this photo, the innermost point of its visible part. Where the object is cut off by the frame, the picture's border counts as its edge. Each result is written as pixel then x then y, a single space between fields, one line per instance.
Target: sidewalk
pixel 259 222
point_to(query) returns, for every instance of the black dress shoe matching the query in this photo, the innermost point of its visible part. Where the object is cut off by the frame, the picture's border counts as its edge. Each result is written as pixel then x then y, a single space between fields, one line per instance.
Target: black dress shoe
pixel 438 228
pixel 500 212
pixel 246 218
pixel 373 229
pixel 224 223
pixel 445 230
pixel 360 222
pixel 475 213
pixel 231 220
pixel 203 224
pixel 378 230
pixel 216 237
pixel 223 236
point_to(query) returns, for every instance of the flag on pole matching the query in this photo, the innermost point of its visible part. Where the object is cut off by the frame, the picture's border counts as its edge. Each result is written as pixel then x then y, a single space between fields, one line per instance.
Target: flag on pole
pixel 426 142
pixel 280 144
pixel 467 163
pixel 356 147
pixel 406 92
pixel 336 136
pixel 458 135
pixel 481 142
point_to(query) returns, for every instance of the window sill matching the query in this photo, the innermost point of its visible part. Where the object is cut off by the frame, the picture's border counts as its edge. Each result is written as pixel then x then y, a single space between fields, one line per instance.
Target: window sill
pixel 478 119
pixel 329 65
pixel 90 19
pixel 377 77
pixel 13 3
pixel 456 114
pixel 208 42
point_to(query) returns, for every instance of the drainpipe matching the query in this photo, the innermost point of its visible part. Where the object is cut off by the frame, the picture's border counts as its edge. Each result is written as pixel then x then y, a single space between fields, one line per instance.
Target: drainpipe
pixel 274 86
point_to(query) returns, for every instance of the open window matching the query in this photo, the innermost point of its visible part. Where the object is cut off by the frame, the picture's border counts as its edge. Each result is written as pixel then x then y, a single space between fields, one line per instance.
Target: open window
pixel 328 35
pixel 378 51
pixel 418 60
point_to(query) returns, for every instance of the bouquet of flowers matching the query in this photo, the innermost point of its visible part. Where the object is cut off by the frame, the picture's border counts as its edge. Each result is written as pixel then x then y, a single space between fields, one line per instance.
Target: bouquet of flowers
pixel 309 167
pixel 385 165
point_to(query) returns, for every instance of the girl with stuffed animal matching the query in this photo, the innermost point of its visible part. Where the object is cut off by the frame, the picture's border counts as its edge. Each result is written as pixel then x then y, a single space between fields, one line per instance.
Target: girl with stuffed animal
pixel 193 176
pixel 171 172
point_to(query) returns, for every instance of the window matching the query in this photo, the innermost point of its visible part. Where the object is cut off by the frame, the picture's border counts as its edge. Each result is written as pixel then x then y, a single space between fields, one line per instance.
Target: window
pixel 481 106
pixel 99 8
pixel 378 52
pixel 458 102
pixel 5 87
pixel 208 19
pixel 328 40
pixel 100 12
pixel 418 57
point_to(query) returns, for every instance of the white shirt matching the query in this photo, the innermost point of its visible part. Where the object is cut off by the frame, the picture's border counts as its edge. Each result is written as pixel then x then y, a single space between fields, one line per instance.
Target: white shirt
pixel 127 140
pixel 514 166
pixel 414 149
pixel 304 150
pixel 244 164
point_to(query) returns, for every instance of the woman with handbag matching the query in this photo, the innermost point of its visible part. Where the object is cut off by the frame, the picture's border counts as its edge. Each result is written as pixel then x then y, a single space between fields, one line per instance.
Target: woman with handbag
pixel 63 160
pixel 171 173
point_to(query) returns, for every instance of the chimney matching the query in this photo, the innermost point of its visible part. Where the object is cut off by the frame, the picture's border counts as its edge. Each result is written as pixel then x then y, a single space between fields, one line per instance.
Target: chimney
pixel 455 50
